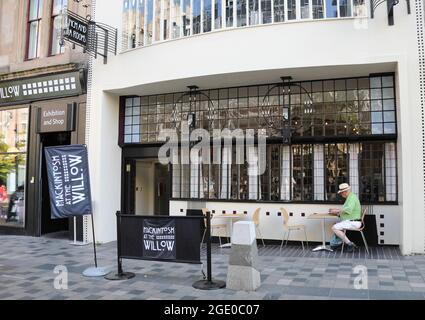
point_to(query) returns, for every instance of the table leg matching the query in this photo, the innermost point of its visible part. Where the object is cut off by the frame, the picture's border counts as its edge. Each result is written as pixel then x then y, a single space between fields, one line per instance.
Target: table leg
pixel 323 246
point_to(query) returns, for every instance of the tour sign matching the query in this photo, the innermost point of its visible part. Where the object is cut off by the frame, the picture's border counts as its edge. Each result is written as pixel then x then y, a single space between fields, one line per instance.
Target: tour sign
pixel 76 31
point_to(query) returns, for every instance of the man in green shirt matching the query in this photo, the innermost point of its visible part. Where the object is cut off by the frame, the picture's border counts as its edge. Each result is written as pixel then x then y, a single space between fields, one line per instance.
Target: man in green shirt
pixel 350 215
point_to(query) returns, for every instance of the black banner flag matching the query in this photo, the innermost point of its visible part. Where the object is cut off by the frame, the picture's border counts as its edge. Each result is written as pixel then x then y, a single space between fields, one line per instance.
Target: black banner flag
pixel 69 181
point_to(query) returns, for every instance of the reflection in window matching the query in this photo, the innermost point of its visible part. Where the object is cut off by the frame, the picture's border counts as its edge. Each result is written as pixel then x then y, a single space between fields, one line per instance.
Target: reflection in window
pixel 241 12
pixel 371 166
pixel 302 172
pixel 218 16
pixel 176 20
pixel 229 13
pixel 253 12
pixel 157 20
pixel 34 22
pixel 266 11
pixel 279 10
pixel 58 5
pixel 331 9
pixel 149 21
pixel 318 9
pixel 292 9
pixel 305 9
pixel 166 21
pixel 196 17
pixel 207 15
pixel 186 15
pixel 336 161
pixel 345 8
pixel 13 147
pixel 360 9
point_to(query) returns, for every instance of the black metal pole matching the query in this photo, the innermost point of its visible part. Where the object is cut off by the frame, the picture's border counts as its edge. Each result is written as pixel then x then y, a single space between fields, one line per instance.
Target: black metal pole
pixel 94 240
pixel 209 284
pixel 208 235
pixel 119 262
pixel 120 275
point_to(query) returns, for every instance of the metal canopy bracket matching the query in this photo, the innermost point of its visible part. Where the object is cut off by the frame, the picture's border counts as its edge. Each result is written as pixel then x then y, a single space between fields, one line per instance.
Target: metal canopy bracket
pixel 374 4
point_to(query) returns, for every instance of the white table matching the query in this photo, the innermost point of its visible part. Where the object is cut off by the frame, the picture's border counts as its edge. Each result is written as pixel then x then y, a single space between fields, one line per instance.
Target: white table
pixel 231 217
pixel 323 217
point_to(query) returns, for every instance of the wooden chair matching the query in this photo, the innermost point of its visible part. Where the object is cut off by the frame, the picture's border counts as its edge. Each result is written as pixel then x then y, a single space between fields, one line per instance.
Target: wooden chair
pixel 218 227
pixel 256 220
pixel 300 227
pixel 359 230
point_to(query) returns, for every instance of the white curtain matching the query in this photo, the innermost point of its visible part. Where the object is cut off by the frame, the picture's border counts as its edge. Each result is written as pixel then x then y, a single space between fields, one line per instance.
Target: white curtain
pixel 194 180
pixel 390 172
pixel 285 184
pixel 354 150
pixel 252 173
pixel 319 170
pixel 225 172
pixel 176 180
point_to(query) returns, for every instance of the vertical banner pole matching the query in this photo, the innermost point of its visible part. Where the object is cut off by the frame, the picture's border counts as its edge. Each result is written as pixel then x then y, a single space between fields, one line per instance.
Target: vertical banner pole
pixel 94 240
pixel 75 229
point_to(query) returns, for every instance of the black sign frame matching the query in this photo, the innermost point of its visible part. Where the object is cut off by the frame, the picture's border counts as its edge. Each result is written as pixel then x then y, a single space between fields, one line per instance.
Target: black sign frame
pixel 73 32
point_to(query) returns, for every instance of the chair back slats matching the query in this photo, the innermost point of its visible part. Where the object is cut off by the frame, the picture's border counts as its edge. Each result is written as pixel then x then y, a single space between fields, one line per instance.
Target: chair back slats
pixel 256 216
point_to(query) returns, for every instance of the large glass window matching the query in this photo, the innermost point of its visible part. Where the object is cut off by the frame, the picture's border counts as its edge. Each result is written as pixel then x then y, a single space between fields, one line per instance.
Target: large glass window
pixel 292 9
pixel 318 9
pixel 218 14
pixel 196 17
pixel 345 8
pixel 34 22
pixel 57 7
pixel 207 15
pixel 266 11
pixel 13 149
pixel 149 21
pixel 305 9
pixel 176 20
pixel 157 10
pixel 336 161
pixel 229 13
pixel 331 9
pixel 372 175
pixel 187 18
pixel 279 10
pixel 241 12
pixel 166 20
pixel 253 12
pixel 302 172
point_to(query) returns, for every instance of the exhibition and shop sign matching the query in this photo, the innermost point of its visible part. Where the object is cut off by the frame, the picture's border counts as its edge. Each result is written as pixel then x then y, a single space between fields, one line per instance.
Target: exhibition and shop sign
pixel 58 118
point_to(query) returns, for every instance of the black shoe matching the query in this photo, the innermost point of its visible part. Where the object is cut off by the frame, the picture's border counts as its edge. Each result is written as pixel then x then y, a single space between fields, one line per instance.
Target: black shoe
pixel 336 247
pixel 350 247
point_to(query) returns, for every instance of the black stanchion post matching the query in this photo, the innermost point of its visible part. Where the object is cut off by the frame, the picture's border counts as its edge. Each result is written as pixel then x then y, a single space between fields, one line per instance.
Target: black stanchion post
pixel 209 284
pixel 120 275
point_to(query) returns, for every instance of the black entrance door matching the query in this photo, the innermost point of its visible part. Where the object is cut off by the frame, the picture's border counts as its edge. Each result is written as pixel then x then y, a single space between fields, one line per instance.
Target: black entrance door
pixel 162 190
pixel 49 225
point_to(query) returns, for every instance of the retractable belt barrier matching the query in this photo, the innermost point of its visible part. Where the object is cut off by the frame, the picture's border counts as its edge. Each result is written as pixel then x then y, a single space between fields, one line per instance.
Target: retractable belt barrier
pixel 162 238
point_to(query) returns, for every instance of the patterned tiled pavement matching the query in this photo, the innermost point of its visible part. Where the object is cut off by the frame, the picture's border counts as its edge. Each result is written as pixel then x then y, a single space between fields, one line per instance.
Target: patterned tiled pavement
pixel 27 272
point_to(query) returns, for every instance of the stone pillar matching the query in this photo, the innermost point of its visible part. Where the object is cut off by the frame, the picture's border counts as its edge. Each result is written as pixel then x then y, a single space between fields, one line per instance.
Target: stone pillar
pixel 243 272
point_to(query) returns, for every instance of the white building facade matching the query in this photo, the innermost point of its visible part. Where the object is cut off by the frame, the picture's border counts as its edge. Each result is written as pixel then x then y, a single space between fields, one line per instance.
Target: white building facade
pixel 348 87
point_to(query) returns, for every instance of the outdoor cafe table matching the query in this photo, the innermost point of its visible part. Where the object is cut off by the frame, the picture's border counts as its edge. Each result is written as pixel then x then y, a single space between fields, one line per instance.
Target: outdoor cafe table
pixel 232 217
pixel 323 217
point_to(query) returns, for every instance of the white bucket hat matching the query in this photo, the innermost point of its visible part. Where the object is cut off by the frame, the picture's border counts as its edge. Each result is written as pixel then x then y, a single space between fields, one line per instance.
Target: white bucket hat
pixel 344 187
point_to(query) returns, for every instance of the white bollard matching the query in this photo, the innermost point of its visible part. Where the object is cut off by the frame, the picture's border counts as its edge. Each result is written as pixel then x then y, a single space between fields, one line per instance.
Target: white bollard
pixel 243 271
